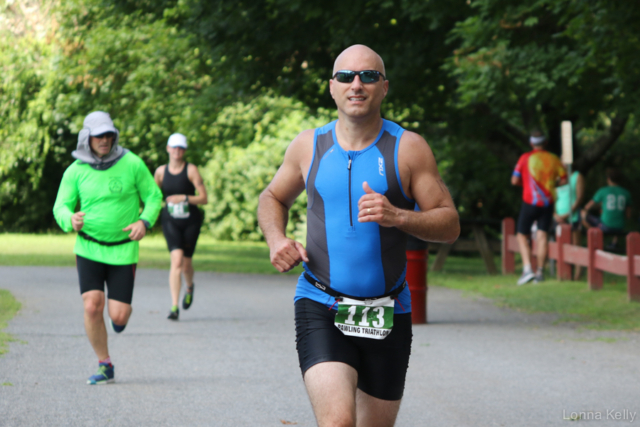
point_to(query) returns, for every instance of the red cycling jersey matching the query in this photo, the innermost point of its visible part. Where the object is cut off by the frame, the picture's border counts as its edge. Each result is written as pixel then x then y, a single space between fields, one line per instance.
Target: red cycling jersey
pixel 539 171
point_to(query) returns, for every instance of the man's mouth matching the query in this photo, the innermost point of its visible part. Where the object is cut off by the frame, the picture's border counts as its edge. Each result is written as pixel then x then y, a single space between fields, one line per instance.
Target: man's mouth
pixel 356 98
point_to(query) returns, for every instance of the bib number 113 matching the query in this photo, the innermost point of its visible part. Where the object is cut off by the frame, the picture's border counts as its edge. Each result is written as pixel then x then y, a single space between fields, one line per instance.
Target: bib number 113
pixel 376 316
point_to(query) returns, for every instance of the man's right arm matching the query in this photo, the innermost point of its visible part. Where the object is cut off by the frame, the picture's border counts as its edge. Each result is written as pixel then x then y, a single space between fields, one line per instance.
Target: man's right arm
pixel 66 201
pixel 516 176
pixel 276 200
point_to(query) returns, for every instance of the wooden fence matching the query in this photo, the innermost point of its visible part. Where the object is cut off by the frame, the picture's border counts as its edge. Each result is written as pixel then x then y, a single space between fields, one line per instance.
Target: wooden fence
pixel 593 257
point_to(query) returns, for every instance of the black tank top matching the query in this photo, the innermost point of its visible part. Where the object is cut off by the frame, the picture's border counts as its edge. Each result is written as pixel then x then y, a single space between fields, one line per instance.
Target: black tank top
pixel 179 184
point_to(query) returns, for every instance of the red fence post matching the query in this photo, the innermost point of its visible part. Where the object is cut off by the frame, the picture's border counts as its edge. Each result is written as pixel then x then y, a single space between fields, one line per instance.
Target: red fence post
pixel 594 242
pixel 417 280
pixel 563 236
pixel 633 281
pixel 508 257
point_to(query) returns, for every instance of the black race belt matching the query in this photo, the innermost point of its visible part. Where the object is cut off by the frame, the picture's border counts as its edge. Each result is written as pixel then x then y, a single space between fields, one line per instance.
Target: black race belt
pixel 337 295
pixel 100 242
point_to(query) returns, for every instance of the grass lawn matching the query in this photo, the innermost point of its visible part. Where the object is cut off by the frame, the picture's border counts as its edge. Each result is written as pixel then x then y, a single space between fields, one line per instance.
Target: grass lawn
pixel 8 308
pixel 604 309
pixel 57 250
pixel 573 301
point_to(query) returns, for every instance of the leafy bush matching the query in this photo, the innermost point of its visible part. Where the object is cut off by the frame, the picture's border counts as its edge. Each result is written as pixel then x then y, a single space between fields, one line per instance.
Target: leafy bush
pixel 235 176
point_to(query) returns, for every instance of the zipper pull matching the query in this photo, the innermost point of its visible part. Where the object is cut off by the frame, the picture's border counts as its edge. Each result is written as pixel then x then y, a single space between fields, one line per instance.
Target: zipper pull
pixel 349 164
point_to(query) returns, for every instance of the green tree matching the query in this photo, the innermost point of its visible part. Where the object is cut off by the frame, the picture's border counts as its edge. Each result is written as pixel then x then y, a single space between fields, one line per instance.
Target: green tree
pixel 536 63
pixel 149 76
pixel 255 136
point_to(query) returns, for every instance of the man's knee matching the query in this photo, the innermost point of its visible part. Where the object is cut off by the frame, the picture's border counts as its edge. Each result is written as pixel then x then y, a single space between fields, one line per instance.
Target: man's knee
pixel 119 312
pixel 177 259
pixel 93 303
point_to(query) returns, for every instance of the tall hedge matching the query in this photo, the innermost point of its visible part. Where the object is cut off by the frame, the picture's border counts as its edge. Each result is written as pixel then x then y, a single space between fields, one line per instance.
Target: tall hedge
pixel 256 135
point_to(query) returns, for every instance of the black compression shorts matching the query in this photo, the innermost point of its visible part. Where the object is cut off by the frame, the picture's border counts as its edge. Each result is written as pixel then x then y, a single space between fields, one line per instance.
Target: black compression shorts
pixel 530 213
pixel 381 364
pixel 181 233
pixel 119 278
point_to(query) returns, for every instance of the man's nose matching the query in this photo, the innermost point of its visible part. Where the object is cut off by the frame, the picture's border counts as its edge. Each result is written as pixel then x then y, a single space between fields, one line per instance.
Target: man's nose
pixel 356 83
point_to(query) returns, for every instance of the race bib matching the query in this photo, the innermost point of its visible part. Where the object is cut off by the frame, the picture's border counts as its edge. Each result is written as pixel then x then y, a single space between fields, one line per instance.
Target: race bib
pixel 367 319
pixel 178 210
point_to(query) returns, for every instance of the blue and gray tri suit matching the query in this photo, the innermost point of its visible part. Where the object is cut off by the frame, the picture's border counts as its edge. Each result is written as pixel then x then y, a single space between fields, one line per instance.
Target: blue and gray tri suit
pixel 357 259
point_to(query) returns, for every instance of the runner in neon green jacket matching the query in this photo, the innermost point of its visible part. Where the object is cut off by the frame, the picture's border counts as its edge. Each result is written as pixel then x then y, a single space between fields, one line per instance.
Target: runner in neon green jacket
pixel 108 181
pixel 110 201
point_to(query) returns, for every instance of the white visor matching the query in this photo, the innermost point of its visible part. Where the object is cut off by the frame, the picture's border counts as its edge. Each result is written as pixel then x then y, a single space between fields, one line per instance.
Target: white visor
pixel 177 140
pixel 536 140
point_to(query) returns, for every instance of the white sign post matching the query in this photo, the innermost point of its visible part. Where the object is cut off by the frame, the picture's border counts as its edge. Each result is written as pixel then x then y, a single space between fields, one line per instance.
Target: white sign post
pixel 567 143
pixel 567 158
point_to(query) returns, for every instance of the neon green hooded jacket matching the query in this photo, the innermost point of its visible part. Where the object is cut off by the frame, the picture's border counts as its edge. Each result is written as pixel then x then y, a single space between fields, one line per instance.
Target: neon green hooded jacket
pixel 110 199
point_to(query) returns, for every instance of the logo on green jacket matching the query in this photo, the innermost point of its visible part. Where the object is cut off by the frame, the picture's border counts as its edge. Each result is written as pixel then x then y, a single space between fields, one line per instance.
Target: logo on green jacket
pixel 115 185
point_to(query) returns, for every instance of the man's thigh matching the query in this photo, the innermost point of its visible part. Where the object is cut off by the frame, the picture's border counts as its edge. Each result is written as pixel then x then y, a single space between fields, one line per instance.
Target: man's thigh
pixel 527 216
pixel 91 274
pixel 373 412
pixel 332 391
pixel 120 280
pixel 384 363
pixel 381 365
pixel 545 218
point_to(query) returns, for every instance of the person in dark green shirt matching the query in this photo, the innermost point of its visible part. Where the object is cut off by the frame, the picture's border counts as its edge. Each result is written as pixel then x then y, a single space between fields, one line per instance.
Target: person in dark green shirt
pixel 108 182
pixel 615 203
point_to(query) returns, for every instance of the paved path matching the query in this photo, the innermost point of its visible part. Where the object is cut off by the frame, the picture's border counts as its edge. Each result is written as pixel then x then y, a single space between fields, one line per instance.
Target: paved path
pixel 231 361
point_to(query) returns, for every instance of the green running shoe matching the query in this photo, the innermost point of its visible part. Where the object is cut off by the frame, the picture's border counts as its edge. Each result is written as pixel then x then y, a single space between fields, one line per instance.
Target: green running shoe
pixel 174 314
pixel 105 375
pixel 188 297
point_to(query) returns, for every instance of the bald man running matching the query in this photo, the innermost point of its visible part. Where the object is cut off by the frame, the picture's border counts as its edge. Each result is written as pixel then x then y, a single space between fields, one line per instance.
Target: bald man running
pixel 363 176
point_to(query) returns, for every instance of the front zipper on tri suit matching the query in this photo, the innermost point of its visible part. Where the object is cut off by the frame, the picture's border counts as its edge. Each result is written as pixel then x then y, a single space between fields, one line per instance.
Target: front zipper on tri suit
pixel 350 209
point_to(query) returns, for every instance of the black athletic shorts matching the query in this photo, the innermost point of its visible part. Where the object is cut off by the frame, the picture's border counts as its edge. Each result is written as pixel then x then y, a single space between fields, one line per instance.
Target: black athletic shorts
pixel 530 213
pixel 381 364
pixel 595 221
pixel 182 233
pixel 119 278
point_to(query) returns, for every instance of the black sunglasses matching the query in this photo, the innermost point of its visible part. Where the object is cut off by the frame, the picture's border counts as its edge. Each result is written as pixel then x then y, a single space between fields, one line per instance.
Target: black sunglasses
pixel 366 76
pixel 105 135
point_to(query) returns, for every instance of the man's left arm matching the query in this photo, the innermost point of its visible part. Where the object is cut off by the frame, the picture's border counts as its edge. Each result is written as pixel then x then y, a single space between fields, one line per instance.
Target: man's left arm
pixel 151 196
pixel 437 220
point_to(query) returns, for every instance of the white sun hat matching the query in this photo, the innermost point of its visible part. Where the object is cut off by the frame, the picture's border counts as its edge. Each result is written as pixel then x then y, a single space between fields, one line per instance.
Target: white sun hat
pixel 177 140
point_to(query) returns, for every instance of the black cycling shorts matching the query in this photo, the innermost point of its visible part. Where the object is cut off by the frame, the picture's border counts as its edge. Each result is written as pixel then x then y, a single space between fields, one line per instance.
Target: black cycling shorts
pixel 595 221
pixel 381 364
pixel 119 278
pixel 530 213
pixel 181 233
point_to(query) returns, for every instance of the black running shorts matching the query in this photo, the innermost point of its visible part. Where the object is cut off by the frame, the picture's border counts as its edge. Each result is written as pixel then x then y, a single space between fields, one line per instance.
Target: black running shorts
pixel 595 221
pixel 381 364
pixel 119 278
pixel 181 233
pixel 530 213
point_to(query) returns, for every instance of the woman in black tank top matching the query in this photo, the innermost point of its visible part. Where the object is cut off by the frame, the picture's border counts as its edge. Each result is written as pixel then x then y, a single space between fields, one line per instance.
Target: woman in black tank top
pixel 181 218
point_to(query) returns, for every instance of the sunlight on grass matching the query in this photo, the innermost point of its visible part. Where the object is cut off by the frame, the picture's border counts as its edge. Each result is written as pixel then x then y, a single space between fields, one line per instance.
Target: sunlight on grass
pixel 8 308
pixel 572 301
pixel 211 255
pixel 608 308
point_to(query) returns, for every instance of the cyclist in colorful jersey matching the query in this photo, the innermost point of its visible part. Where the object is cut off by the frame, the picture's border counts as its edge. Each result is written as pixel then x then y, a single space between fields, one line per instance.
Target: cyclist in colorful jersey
pixel 181 219
pixel 615 203
pixel 108 182
pixel 363 176
pixel 538 172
